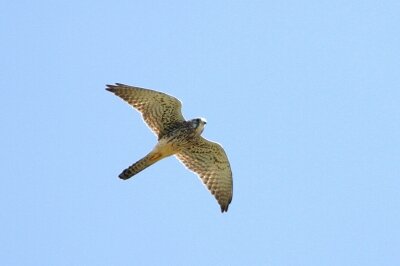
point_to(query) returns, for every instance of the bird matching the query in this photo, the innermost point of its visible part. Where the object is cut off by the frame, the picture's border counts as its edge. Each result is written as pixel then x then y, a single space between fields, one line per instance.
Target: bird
pixel 179 137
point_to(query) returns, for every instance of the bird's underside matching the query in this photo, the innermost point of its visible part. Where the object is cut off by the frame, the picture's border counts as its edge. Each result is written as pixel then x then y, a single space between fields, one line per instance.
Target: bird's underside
pixel 178 137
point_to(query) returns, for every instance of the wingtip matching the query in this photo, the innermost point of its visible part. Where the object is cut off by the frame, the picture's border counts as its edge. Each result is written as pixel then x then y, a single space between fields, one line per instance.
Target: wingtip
pixel 110 87
pixel 113 87
pixel 224 209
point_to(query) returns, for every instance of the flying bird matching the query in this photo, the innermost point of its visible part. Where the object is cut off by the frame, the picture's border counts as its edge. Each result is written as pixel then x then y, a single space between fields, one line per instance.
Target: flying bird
pixel 179 137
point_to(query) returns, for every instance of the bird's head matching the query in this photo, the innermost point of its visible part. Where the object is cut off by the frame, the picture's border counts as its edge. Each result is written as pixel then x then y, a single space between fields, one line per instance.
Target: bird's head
pixel 198 124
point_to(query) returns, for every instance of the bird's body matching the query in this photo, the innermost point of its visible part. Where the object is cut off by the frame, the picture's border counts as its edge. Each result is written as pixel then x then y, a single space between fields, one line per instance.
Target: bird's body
pixel 180 138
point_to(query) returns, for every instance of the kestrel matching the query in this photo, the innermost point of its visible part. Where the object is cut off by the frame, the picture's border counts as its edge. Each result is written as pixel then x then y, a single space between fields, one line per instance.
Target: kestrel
pixel 178 137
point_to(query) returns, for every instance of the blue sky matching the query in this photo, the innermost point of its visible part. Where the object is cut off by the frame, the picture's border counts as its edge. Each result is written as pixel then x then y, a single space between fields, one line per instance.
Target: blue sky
pixel 303 95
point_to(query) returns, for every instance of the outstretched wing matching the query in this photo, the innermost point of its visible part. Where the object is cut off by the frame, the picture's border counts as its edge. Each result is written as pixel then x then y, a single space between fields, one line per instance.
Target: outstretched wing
pixel 209 161
pixel 159 110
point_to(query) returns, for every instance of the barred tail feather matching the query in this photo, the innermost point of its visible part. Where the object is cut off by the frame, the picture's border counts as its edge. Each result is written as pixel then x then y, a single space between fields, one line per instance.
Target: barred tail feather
pixel 140 165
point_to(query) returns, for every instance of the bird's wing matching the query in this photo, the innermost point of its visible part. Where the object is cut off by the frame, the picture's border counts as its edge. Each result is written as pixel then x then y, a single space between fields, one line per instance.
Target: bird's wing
pixel 208 159
pixel 159 110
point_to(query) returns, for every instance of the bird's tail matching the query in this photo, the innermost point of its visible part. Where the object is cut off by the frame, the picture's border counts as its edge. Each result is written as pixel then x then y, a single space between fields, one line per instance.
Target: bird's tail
pixel 140 165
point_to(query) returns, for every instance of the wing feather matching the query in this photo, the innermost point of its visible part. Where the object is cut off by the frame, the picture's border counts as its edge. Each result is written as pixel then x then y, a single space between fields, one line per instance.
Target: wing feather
pixel 159 110
pixel 208 159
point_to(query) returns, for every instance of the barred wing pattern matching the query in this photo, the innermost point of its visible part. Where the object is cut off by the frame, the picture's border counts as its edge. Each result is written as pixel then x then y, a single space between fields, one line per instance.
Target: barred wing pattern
pixel 209 161
pixel 159 110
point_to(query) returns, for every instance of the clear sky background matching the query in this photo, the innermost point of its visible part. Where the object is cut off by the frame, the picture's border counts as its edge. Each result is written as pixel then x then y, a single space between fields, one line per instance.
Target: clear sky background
pixel 303 95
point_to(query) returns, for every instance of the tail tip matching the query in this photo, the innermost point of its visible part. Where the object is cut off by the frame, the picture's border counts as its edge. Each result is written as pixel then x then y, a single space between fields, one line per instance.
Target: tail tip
pixel 124 176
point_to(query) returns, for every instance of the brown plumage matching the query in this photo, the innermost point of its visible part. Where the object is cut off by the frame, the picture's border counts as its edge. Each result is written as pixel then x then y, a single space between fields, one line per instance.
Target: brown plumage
pixel 178 137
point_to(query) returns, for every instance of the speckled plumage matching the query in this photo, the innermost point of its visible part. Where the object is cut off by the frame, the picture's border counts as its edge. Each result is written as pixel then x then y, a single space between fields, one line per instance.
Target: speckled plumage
pixel 178 137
